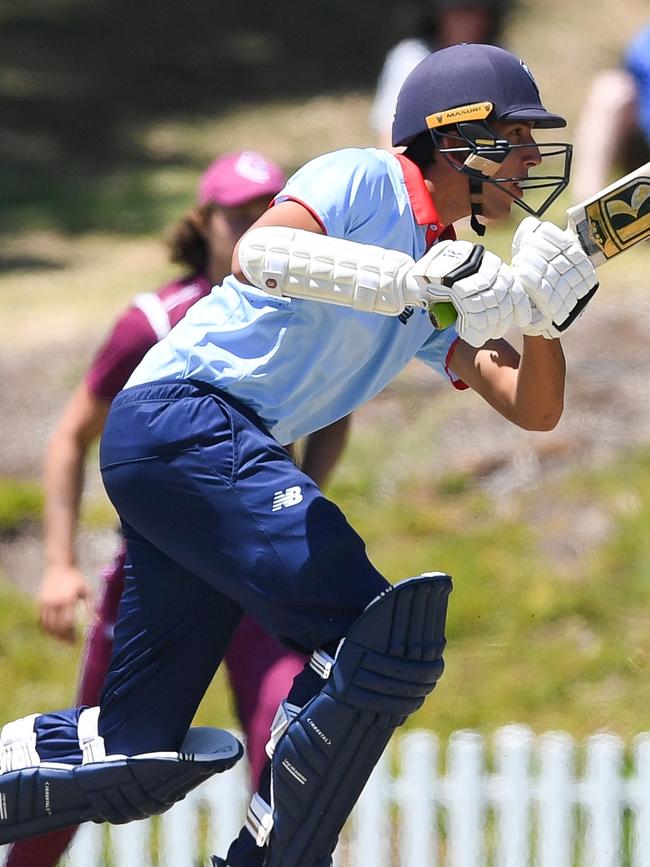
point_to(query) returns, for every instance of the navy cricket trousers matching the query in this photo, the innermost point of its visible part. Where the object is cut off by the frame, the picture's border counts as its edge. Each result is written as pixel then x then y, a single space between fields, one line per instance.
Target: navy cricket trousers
pixel 218 519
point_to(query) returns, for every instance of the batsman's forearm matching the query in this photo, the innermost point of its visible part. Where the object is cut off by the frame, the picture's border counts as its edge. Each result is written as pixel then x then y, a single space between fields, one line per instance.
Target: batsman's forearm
pixel 541 377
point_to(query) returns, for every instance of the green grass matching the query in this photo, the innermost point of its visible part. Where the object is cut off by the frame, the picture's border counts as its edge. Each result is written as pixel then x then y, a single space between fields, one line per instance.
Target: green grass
pixel 525 643
pixel 36 673
pixel 21 503
pixel 39 673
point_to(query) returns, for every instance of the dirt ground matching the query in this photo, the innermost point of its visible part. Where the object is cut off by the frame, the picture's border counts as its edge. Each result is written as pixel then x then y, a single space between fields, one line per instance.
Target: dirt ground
pixel 35 386
pixel 607 411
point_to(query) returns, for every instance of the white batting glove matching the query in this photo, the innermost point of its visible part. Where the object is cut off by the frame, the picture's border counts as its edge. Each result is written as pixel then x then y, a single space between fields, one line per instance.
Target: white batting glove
pixel 482 288
pixel 555 273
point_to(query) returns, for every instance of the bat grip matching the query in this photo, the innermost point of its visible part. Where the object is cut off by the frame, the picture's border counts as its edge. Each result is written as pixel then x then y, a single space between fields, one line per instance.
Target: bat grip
pixel 444 313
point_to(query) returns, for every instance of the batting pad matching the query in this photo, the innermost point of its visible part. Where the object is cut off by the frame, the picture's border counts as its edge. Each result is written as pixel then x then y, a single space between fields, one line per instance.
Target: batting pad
pixel 49 796
pixel 386 666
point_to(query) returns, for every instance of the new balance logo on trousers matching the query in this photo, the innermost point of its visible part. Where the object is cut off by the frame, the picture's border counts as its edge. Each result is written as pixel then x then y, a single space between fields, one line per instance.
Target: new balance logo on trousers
pixel 283 499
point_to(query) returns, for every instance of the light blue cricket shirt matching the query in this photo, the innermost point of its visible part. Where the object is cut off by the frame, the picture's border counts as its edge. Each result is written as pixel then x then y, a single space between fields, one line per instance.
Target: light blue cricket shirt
pixel 300 365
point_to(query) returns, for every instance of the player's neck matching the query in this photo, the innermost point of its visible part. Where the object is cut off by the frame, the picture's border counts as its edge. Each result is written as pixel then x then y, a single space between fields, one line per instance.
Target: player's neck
pixel 449 190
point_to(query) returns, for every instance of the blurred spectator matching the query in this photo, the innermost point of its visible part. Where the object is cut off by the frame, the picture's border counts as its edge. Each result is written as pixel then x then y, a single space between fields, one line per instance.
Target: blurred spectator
pixel 233 193
pixel 432 24
pixel 614 126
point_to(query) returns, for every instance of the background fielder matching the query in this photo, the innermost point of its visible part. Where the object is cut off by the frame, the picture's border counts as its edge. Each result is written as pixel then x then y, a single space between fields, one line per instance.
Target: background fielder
pixel 233 191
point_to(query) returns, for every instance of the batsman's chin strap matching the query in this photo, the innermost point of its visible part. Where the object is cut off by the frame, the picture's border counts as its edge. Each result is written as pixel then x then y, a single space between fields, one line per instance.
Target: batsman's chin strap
pixel 476 204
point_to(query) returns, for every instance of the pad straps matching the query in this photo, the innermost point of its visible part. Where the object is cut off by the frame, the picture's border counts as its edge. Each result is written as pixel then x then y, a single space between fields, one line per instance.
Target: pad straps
pixel 18 745
pixel 91 743
pixel 259 818
pixel 285 713
pixel 322 663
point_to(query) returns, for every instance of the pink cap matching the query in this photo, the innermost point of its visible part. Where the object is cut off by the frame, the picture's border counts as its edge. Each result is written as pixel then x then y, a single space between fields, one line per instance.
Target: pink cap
pixel 238 177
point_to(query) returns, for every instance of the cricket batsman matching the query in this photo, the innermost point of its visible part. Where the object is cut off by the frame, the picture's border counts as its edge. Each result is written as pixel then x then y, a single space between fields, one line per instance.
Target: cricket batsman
pixel 329 300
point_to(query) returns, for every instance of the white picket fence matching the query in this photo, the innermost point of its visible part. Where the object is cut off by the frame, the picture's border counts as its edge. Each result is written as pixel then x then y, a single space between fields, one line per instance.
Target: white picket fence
pixel 526 802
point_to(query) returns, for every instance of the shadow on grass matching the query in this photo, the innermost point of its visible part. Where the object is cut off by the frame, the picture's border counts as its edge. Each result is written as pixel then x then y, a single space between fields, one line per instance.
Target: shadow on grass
pixel 75 74
pixel 29 263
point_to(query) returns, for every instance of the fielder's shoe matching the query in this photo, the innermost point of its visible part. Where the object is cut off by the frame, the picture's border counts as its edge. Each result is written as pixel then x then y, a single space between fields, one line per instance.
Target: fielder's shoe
pixel 217 862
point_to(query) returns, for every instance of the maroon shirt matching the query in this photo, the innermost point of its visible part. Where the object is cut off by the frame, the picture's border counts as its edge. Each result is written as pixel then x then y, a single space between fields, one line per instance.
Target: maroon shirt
pixel 138 329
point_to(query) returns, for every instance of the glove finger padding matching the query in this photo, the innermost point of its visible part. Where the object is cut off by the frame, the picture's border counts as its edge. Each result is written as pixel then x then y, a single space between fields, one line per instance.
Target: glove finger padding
pixel 530 225
pixel 555 273
pixel 480 286
pixel 526 227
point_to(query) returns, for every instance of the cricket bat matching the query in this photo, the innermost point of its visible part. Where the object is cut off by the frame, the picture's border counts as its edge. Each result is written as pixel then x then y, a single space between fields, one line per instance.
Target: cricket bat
pixel 606 224
pixel 615 219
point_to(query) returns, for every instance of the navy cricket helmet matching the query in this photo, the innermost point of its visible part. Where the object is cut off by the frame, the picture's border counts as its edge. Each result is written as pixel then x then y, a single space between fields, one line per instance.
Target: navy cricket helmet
pixel 454 94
